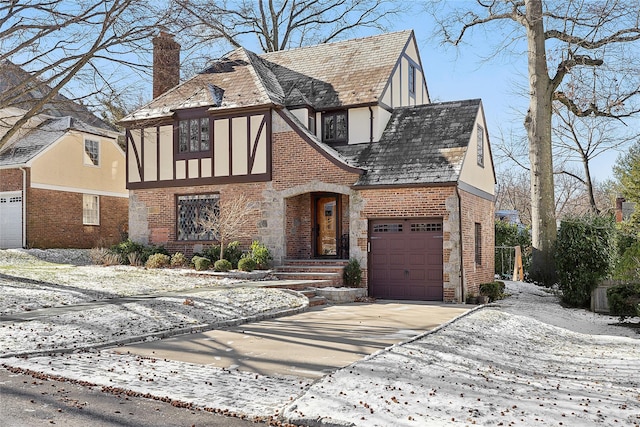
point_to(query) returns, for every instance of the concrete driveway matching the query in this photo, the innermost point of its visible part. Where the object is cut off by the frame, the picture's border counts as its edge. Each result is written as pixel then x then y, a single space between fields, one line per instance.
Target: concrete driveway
pixel 310 344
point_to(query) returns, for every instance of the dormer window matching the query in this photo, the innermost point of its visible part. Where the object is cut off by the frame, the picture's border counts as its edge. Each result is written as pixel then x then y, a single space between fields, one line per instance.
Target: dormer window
pixel 334 127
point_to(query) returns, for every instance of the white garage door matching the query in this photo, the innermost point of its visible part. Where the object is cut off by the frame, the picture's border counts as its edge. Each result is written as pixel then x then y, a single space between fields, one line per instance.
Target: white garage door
pixel 11 220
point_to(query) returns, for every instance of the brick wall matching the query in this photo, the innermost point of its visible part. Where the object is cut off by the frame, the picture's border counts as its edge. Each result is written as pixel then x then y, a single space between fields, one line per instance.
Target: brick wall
pixel 476 209
pixel 54 220
pixel 10 180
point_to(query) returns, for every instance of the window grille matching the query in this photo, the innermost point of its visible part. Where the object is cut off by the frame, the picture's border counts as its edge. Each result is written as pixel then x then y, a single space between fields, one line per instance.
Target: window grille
pixel 387 228
pixel 92 152
pixel 193 135
pixel 424 227
pixel 90 209
pixel 193 210
pixel 480 132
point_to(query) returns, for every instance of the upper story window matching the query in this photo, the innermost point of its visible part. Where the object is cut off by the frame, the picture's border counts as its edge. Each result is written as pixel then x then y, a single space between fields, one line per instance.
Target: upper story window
pixel 334 126
pixel 192 135
pixel 412 79
pixel 480 132
pixel 91 152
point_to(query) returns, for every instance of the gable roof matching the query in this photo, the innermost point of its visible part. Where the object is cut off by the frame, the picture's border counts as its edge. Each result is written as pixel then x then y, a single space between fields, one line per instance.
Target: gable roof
pixel 342 73
pixel 23 149
pixel 12 76
pixel 350 72
pixel 423 144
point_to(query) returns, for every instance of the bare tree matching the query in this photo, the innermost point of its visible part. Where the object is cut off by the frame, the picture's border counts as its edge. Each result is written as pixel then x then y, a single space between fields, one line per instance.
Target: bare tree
pixel 595 42
pixel 281 24
pixel 92 46
pixel 583 139
pixel 230 220
pixel 513 193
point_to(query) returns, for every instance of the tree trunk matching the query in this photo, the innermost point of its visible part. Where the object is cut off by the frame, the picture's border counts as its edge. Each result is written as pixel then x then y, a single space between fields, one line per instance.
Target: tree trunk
pixel 538 125
pixel 589 184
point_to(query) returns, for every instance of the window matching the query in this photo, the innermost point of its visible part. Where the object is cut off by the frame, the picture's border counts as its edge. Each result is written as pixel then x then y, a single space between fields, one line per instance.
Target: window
pixel 478 245
pixel 480 132
pixel 387 228
pixel 192 211
pixel 425 227
pixel 412 79
pixel 193 135
pixel 90 209
pixel 91 152
pixel 334 126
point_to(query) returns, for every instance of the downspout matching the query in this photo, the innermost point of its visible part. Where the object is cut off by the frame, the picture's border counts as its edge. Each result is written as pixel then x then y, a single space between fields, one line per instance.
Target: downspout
pixel 370 124
pixel 460 245
pixel 24 207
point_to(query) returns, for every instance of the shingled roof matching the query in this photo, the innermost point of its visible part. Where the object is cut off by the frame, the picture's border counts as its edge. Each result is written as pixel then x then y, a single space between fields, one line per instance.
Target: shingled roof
pixel 328 75
pixel 24 148
pixel 343 73
pixel 421 145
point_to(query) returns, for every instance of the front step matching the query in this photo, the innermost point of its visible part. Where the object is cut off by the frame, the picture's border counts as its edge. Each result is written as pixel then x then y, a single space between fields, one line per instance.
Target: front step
pixel 328 271
pixel 314 300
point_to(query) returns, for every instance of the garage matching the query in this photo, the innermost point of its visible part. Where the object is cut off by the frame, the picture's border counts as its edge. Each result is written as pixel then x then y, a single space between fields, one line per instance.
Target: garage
pixel 406 259
pixel 11 220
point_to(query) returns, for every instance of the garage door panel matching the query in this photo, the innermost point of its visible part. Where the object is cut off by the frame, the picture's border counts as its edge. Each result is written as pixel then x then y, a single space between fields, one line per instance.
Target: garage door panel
pixel 406 259
pixel 11 220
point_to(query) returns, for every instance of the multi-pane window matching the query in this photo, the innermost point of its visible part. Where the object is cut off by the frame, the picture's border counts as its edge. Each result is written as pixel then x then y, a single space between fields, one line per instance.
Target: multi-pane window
pixel 91 152
pixel 90 209
pixel 387 228
pixel 193 135
pixel 478 243
pixel 334 126
pixel 195 215
pixel 412 79
pixel 480 132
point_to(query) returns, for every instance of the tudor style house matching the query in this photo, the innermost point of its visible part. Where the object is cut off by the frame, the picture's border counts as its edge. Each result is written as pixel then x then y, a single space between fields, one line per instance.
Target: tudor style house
pixel 62 176
pixel 341 153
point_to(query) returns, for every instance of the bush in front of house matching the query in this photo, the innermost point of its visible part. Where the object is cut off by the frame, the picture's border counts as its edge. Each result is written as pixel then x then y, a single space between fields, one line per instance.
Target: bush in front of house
pixel 352 275
pixel 261 255
pixel 624 300
pixel 200 263
pixel 133 253
pixel 158 261
pixel 232 253
pixel 246 264
pixel 493 290
pixel 585 253
pixel 222 265
pixel 179 260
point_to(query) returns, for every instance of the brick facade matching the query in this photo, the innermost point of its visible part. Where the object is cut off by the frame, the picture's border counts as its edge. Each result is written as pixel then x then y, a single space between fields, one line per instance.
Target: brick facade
pixel 283 218
pixel 11 180
pixel 477 210
pixel 54 220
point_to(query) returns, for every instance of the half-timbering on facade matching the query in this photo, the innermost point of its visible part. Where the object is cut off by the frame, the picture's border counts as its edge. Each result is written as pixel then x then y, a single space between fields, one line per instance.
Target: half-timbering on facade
pixel 341 153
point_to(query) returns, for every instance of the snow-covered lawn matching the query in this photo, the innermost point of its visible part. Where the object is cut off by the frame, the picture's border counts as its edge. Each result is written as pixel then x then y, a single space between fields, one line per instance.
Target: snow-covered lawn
pixel 523 361
pixel 30 282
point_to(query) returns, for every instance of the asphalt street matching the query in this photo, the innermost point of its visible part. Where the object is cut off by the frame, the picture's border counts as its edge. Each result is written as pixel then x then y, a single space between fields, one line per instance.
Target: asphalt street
pixel 29 401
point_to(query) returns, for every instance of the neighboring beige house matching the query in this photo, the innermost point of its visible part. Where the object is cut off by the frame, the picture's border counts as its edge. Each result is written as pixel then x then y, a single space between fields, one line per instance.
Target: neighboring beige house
pixel 62 177
pixel 341 153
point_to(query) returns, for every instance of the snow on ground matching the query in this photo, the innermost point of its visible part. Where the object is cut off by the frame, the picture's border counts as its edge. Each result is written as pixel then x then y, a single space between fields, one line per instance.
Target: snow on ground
pixel 30 282
pixel 523 361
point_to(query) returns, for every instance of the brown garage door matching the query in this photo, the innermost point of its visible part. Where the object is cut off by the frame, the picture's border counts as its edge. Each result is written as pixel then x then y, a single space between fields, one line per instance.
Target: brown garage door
pixel 406 259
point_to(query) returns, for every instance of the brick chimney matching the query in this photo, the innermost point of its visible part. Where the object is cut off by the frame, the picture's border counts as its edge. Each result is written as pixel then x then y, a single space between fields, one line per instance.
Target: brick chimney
pixel 166 63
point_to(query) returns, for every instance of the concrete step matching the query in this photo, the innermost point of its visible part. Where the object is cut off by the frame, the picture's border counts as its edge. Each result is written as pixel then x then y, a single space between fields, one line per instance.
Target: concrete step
pixel 316 301
pixel 332 279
